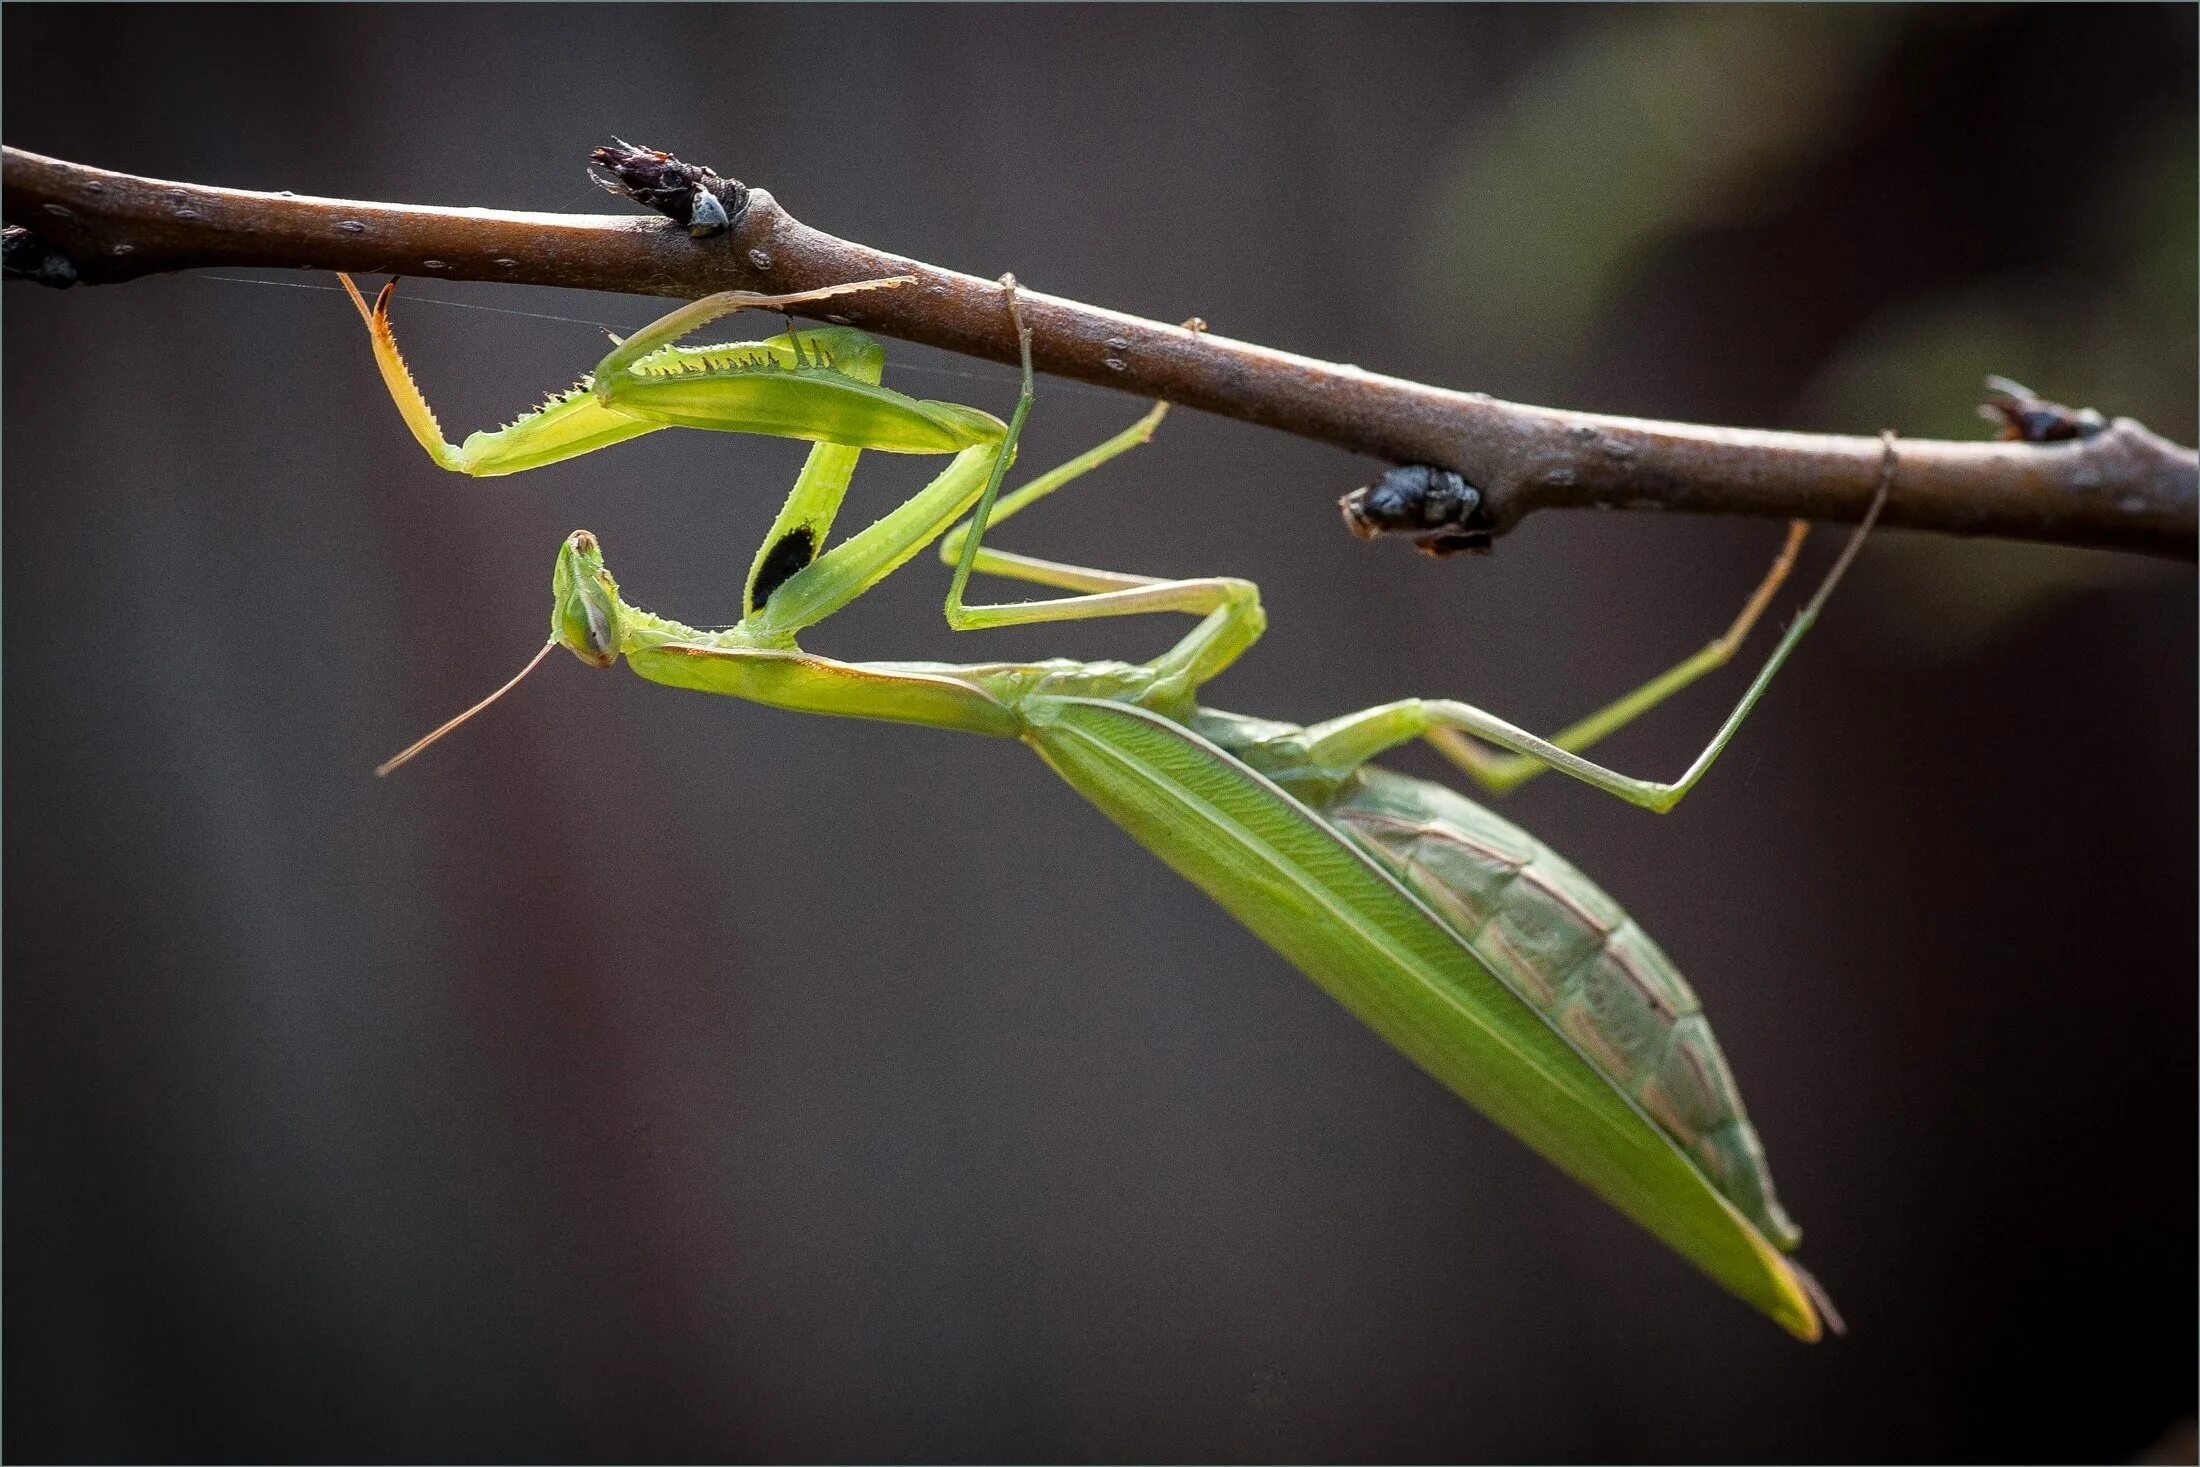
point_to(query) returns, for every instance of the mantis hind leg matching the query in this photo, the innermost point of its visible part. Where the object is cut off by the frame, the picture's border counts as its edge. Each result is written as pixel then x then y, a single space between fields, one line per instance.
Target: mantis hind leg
pixel 1345 743
pixel 1500 774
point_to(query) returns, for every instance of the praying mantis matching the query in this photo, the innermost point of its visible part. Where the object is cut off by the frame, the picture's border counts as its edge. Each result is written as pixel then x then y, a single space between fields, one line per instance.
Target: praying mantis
pixel 1469 945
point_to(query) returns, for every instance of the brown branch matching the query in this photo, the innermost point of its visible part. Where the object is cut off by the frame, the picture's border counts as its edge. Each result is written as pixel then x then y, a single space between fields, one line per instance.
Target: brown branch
pixel 2122 487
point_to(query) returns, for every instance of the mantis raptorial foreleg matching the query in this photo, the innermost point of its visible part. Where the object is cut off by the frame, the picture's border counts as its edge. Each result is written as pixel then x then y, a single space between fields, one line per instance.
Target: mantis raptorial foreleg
pixel 1347 742
pixel 643 386
pixel 1501 774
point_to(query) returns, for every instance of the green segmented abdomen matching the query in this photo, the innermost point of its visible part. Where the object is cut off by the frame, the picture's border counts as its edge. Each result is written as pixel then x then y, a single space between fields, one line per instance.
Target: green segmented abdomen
pixel 1569 951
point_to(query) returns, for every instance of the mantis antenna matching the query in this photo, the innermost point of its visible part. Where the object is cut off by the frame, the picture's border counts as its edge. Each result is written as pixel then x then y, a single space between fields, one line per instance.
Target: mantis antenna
pixel 416 746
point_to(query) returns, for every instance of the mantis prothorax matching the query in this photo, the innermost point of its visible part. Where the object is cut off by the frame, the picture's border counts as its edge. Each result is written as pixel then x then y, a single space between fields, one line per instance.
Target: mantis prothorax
pixel 1461 939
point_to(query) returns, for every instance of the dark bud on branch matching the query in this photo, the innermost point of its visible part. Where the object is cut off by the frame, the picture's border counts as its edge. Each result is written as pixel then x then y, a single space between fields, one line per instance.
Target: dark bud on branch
pixel 1441 510
pixel 24 256
pixel 684 193
pixel 2025 417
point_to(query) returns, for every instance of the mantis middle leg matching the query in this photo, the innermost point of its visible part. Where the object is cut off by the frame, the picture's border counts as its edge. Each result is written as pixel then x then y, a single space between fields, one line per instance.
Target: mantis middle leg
pixel 1230 607
pixel 1232 619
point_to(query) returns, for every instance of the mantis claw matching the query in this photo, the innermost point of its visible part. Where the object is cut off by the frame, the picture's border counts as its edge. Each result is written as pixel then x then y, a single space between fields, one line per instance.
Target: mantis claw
pixel 411 405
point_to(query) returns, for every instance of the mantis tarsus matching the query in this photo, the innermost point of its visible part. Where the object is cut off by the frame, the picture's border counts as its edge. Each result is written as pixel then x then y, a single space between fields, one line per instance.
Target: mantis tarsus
pixel 1468 944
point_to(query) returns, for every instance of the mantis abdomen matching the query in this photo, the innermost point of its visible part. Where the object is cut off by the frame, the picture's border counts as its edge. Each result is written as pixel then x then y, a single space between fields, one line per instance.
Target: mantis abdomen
pixel 1568 950
pixel 1301 878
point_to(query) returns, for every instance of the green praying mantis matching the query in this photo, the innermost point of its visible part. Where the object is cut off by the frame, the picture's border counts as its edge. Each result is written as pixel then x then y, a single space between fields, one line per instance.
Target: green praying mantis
pixel 1465 942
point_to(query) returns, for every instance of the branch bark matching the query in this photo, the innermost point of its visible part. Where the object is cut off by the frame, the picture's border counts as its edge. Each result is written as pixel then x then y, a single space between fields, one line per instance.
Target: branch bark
pixel 2123 487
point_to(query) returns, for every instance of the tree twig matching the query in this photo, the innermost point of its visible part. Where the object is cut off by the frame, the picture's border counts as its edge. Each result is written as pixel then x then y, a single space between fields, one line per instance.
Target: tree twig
pixel 2121 487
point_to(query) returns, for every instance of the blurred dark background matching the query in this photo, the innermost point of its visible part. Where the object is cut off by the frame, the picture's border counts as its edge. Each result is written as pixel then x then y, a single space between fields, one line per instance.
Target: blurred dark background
pixel 644 1075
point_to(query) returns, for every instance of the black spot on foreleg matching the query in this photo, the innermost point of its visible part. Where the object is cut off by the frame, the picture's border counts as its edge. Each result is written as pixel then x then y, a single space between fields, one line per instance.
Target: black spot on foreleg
pixel 794 550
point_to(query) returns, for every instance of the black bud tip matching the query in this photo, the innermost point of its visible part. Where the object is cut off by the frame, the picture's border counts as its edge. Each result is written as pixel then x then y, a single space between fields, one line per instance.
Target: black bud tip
pixel 2026 417
pixel 1434 504
pixel 27 257
pixel 683 192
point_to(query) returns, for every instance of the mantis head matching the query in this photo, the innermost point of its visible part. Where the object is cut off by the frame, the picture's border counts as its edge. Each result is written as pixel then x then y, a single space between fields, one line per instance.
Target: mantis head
pixel 584 614
pixel 585 620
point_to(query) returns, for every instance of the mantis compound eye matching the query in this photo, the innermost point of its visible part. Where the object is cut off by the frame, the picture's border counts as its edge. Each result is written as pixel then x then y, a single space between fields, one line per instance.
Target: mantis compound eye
pixel 584 615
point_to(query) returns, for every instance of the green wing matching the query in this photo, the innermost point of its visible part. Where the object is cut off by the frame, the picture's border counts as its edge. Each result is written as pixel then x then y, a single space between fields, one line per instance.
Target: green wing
pixel 1304 890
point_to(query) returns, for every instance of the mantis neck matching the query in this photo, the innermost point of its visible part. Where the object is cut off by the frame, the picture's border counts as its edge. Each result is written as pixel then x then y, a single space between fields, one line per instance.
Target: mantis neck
pixel 642 631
